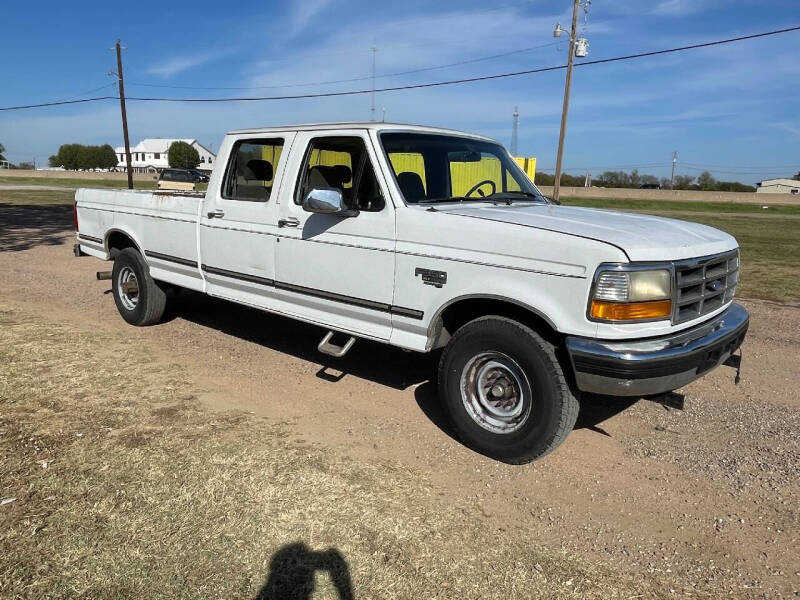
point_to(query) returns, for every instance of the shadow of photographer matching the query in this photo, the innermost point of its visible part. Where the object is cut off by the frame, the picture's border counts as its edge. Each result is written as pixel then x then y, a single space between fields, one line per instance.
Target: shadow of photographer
pixel 292 570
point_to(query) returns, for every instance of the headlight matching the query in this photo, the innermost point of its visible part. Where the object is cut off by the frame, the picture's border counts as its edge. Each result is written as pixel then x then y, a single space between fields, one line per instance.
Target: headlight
pixel 621 294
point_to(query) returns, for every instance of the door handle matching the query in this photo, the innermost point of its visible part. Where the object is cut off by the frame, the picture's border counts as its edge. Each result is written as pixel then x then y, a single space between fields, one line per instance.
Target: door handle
pixel 289 222
pixel 217 212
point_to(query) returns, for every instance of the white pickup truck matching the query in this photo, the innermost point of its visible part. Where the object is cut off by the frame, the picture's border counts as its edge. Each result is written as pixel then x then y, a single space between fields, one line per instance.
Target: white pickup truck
pixel 428 238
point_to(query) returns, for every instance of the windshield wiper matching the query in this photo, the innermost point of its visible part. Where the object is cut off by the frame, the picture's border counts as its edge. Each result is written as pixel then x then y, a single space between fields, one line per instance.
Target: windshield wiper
pixel 496 198
pixel 455 199
pixel 510 197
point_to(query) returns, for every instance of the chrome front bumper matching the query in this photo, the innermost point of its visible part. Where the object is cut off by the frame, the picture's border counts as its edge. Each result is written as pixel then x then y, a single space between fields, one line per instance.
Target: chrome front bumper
pixel 656 365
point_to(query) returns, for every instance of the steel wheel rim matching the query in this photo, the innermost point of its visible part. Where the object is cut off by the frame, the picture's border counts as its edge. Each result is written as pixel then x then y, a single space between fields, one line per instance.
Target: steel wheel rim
pixel 496 392
pixel 128 298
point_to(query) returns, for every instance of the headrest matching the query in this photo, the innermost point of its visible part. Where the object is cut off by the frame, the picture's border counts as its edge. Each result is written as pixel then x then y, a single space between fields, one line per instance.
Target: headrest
pixel 411 185
pixel 260 170
pixel 332 176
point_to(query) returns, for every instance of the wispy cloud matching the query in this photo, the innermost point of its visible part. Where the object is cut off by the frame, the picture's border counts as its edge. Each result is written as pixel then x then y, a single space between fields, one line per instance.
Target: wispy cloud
pixel 179 64
pixel 791 128
pixel 678 8
pixel 303 13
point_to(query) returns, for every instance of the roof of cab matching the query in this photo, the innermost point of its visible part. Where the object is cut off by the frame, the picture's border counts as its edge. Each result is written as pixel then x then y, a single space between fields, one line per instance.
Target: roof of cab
pixel 376 125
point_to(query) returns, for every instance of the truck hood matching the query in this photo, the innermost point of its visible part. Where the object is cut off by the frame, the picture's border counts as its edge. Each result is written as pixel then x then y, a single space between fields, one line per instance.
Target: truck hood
pixel 641 237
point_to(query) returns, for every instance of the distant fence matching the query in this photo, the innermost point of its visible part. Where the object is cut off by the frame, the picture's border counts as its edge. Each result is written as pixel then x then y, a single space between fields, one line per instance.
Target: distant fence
pixel 674 195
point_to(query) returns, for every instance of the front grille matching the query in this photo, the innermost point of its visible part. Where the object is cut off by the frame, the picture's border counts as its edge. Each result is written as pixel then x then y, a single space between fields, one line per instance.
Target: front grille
pixel 703 285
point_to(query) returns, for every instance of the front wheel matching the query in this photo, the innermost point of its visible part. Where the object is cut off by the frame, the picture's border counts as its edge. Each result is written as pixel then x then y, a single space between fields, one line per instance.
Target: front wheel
pixel 505 390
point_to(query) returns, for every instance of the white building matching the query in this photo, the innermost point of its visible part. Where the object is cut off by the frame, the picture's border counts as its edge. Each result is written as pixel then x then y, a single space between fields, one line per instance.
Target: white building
pixel 150 155
pixel 779 186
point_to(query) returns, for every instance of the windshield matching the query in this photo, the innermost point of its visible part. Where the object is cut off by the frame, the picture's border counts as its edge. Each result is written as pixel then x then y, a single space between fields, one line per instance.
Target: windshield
pixel 443 168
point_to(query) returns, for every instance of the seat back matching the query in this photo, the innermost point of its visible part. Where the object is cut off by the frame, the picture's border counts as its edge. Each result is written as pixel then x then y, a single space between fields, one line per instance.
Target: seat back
pixel 251 178
pixel 411 185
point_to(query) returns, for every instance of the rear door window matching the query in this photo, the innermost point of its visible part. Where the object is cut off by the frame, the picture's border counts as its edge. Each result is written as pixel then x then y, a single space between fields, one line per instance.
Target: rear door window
pixel 250 174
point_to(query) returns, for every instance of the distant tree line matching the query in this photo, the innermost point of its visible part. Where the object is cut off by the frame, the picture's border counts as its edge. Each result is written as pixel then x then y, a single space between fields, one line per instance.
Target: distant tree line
pixel 620 179
pixel 77 156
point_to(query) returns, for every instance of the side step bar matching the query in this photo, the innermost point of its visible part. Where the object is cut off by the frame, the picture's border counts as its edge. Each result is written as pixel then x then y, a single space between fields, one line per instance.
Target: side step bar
pixel 331 349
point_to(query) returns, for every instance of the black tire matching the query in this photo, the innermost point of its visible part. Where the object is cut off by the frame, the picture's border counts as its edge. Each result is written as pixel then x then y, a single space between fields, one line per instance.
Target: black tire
pixel 547 404
pixel 150 300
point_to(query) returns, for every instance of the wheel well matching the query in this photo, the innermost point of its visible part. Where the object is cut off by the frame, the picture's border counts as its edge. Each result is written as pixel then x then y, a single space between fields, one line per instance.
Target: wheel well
pixel 462 312
pixel 118 241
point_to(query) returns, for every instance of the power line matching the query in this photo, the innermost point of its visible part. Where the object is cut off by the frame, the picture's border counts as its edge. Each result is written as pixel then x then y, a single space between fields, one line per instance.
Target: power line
pixel 68 100
pixel 59 103
pixel 738 171
pixel 609 167
pixel 479 78
pixel 421 85
pixel 352 79
pixel 748 166
pixel 93 90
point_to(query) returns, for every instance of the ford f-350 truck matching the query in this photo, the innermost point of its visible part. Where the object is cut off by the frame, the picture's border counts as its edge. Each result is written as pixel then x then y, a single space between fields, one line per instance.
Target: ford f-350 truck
pixel 426 239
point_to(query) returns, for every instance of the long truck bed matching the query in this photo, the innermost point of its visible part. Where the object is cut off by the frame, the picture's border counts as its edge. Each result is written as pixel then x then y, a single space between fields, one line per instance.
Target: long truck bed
pixel 142 216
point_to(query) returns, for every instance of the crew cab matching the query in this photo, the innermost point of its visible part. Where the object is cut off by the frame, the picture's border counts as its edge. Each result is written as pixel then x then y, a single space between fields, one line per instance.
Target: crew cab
pixel 427 239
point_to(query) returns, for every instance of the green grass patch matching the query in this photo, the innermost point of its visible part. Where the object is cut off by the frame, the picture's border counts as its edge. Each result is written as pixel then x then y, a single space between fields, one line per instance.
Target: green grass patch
pixel 37 197
pixel 681 206
pixel 125 487
pixel 769 239
pixel 770 252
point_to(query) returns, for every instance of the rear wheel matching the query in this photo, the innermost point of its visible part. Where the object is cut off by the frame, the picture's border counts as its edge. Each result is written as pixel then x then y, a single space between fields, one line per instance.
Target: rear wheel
pixel 139 298
pixel 505 390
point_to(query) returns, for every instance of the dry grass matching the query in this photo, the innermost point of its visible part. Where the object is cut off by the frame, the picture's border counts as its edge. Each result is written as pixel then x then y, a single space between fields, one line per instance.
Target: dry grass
pixel 126 487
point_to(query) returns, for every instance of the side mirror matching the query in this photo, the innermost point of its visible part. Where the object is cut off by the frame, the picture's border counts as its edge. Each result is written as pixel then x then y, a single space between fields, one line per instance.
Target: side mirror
pixel 327 201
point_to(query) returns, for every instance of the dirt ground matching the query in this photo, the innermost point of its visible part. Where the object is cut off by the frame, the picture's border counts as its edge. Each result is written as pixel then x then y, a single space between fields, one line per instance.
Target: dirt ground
pixel 704 495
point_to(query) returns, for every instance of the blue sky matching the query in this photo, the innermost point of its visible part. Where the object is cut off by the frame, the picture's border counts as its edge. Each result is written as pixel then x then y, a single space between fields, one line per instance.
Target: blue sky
pixel 732 109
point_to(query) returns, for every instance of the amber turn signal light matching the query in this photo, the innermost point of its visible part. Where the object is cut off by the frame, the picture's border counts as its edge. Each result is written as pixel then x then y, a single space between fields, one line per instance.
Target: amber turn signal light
pixel 630 311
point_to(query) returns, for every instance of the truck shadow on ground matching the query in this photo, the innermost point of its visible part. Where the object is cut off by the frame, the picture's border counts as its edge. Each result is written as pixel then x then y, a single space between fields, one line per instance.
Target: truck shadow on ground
pixel 292 570
pixel 25 226
pixel 379 363
pixel 372 361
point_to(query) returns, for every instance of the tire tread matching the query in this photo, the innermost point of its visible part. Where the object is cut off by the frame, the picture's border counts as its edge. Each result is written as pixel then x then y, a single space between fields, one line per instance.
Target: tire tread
pixel 151 295
pixel 570 405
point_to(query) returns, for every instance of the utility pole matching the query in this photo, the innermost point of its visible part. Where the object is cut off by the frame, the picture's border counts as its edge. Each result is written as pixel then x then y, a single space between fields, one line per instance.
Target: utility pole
pixel 372 106
pixel 514 132
pixel 565 108
pixel 672 177
pixel 124 116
